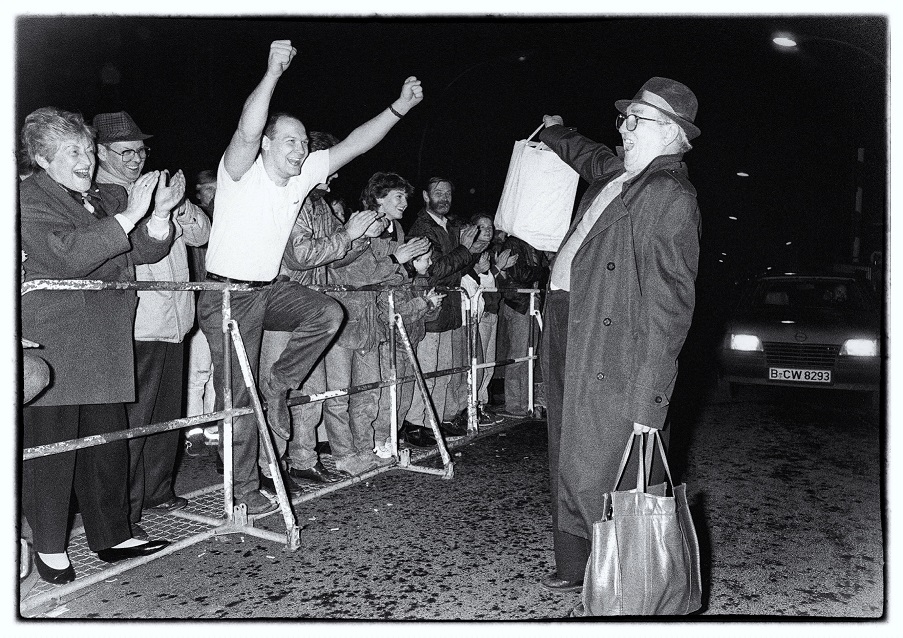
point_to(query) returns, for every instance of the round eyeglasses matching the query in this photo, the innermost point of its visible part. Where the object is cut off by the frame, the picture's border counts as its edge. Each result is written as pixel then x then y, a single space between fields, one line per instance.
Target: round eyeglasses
pixel 130 153
pixel 631 120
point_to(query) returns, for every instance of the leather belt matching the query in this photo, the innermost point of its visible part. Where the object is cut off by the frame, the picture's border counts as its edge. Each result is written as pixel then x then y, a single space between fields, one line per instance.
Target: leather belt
pixel 212 276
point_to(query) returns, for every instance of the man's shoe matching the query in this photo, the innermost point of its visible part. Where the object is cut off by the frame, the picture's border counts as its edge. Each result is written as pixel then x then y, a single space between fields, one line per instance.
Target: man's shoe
pixel 257 503
pixel 278 417
pixel 417 435
pixel 553 583
pixel 457 426
pixel 116 554
pixel 316 474
pixel 175 503
pixel 51 575
pixel 269 487
pixel 139 532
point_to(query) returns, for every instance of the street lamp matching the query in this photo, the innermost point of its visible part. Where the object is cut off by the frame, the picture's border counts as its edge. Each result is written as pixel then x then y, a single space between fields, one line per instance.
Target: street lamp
pixel 790 42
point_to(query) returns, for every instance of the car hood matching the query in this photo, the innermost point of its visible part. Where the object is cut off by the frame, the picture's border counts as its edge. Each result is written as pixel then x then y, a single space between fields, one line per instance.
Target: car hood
pixel 806 325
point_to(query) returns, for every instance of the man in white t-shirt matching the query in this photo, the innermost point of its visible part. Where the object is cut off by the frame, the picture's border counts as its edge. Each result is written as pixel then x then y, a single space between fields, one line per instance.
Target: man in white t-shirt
pixel 262 180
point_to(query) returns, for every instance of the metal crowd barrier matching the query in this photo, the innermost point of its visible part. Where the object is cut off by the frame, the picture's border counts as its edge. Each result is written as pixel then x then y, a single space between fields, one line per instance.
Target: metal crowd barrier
pixel 236 517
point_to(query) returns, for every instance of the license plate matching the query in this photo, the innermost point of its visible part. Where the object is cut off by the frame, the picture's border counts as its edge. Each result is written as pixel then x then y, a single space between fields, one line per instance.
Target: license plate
pixel 797 374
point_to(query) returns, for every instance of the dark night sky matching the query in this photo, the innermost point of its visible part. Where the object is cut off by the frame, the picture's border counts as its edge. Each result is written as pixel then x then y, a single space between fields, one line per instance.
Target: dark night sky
pixel 793 121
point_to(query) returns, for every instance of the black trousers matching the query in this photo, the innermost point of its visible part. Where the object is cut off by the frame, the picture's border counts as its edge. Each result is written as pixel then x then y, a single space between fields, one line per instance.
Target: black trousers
pixel 97 474
pixel 152 459
pixel 571 552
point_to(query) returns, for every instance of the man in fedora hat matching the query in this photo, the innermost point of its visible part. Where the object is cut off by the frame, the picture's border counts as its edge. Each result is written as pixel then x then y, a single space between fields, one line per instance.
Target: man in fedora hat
pixel 619 305
pixel 162 320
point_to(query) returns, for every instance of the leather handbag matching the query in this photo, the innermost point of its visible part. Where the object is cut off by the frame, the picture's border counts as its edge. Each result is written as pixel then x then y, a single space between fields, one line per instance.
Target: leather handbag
pixel 645 555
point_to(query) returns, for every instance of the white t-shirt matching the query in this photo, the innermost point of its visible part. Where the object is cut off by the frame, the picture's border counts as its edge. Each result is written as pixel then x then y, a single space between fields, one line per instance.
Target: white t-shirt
pixel 253 218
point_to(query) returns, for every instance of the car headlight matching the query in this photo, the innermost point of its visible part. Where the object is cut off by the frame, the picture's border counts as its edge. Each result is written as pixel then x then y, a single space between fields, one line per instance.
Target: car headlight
pixel 748 343
pixel 860 347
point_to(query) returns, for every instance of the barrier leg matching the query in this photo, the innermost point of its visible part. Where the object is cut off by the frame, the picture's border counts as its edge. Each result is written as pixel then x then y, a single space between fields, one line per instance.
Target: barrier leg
pixel 530 333
pixel 473 422
pixel 404 463
pixel 292 530
pixel 226 443
pixel 393 377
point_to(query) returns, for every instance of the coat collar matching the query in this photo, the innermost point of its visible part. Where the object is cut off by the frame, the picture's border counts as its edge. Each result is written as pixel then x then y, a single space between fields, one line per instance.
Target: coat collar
pixel 58 193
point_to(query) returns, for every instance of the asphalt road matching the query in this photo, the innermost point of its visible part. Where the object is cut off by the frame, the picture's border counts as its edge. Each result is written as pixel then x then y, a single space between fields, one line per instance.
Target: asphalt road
pixel 785 487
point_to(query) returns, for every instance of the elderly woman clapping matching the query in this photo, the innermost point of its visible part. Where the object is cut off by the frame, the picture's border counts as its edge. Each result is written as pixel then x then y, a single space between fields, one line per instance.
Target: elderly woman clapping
pixel 73 228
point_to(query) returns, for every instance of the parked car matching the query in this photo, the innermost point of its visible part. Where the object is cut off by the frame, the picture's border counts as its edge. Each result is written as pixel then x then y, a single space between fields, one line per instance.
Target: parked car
pixel 818 331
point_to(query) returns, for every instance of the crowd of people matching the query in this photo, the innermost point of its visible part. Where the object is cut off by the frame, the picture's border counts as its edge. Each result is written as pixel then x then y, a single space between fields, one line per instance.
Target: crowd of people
pixel 619 298
pixel 115 359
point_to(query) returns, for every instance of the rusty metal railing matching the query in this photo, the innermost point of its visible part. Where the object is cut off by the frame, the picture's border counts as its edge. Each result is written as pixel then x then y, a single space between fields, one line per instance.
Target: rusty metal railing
pixel 236 517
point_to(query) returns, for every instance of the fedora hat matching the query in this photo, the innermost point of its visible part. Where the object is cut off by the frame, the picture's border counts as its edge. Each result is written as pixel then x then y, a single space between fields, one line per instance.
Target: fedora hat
pixel 670 97
pixel 117 127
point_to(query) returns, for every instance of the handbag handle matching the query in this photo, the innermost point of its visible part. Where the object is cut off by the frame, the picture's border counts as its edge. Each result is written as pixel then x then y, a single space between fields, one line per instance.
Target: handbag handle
pixel 533 134
pixel 644 462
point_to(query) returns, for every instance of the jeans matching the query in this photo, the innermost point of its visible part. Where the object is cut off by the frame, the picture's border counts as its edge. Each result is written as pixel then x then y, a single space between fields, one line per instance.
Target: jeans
pixel 351 413
pixel 488 330
pixel 201 389
pixel 439 351
pixel 516 374
pixel 301 446
pixel 311 317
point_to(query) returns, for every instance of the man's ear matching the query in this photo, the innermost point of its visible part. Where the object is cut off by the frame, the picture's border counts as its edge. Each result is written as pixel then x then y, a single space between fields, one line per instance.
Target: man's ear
pixel 426 198
pixel 670 134
pixel 265 143
pixel 102 153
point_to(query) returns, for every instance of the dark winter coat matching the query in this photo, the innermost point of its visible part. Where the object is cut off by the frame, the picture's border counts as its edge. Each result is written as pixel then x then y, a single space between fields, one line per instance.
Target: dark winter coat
pixel 450 261
pixel 85 336
pixel 630 306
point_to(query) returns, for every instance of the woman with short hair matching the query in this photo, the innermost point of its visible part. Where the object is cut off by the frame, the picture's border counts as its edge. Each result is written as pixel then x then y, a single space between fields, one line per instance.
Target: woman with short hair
pixel 73 228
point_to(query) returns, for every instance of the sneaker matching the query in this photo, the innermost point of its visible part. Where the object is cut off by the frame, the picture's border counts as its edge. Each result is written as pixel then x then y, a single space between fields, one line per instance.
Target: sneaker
pixel 211 435
pixel 357 464
pixel 511 415
pixel 377 461
pixel 486 417
pixel 384 450
pixel 457 426
pixel 257 503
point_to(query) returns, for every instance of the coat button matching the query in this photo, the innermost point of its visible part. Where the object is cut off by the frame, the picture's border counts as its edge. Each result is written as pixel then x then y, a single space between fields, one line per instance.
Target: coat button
pixel 606 321
pixel 611 265
pixel 658 399
pixel 600 376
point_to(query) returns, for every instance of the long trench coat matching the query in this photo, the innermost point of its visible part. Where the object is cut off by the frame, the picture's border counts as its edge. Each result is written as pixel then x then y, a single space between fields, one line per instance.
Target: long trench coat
pixel 85 336
pixel 630 307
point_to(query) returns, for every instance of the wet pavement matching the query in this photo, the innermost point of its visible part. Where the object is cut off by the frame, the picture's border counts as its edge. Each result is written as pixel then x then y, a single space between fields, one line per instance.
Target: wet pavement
pixel 785 490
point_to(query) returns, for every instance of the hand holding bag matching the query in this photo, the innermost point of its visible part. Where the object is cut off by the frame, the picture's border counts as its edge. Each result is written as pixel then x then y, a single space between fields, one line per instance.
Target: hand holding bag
pixel 645 555
pixel 538 197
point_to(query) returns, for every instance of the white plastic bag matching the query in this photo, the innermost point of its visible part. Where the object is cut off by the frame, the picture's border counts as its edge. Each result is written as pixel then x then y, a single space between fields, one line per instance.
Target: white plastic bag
pixel 538 197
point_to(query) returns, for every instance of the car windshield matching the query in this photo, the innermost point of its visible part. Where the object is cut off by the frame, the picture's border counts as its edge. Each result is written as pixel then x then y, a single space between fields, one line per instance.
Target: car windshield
pixel 828 294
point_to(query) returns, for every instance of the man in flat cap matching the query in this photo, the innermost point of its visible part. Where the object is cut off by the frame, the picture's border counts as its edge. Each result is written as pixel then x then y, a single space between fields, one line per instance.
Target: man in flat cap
pixel 162 320
pixel 619 305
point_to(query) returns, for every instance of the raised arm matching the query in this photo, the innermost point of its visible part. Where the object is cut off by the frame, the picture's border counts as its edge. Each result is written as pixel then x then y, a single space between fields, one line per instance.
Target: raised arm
pixel 245 143
pixel 369 134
